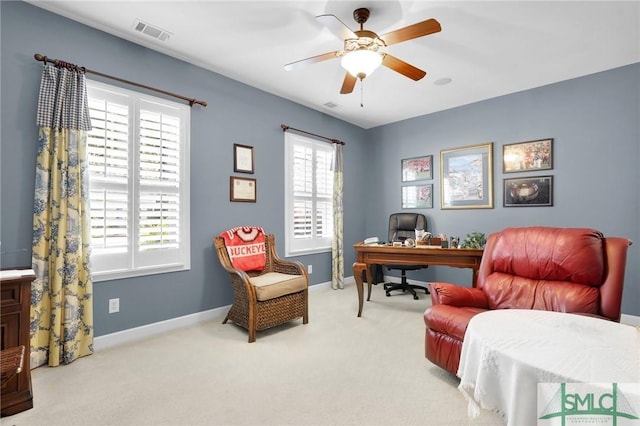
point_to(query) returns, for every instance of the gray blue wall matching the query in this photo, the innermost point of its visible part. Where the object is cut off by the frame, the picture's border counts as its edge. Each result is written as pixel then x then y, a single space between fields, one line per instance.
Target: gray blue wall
pixel 594 121
pixel 236 113
pixel 595 124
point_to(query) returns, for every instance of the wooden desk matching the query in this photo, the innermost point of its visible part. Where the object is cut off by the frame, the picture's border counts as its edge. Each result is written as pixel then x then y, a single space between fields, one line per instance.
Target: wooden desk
pixel 370 254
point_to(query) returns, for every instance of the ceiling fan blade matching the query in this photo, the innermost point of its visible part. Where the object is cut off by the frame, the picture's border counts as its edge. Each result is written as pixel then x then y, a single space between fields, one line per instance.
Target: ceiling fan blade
pixel 312 60
pixel 402 67
pixel 336 26
pixel 420 29
pixel 348 84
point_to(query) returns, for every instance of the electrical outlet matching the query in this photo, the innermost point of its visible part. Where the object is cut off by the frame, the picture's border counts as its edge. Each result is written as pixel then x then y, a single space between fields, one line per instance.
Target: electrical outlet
pixel 310 269
pixel 114 305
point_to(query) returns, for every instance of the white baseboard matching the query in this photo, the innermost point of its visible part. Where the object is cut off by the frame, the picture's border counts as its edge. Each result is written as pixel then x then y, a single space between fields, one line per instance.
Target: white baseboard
pixel 149 330
pixel 138 333
pixel 633 320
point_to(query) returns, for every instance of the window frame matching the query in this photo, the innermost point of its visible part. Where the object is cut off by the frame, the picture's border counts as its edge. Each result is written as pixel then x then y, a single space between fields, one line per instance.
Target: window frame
pixel 314 244
pixel 135 262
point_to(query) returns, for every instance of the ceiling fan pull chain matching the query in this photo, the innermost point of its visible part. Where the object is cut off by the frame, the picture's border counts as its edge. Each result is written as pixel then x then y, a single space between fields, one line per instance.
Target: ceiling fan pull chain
pixel 361 93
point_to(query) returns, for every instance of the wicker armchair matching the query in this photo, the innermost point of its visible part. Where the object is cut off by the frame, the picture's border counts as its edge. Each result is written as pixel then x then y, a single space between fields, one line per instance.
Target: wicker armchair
pixel 267 298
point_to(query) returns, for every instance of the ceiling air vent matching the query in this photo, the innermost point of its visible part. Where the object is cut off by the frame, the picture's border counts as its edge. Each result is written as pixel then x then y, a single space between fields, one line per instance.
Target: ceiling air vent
pixel 151 30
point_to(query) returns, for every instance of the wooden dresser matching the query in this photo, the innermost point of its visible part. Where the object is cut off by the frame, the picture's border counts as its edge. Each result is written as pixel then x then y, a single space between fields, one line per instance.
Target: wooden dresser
pixel 15 306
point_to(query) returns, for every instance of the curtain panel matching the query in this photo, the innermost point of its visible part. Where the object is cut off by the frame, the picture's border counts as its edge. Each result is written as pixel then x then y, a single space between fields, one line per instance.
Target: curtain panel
pixel 337 248
pixel 61 294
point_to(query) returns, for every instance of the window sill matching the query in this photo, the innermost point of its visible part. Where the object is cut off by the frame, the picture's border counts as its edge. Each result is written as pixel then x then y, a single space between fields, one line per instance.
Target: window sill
pixel 307 252
pixel 121 274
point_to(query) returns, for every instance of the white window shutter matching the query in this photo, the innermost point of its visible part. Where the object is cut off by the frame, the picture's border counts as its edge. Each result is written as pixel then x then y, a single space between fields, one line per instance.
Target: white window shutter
pixel 139 190
pixel 308 196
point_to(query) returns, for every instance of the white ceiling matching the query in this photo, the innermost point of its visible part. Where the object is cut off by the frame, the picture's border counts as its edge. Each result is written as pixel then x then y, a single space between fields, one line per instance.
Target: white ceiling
pixel 487 49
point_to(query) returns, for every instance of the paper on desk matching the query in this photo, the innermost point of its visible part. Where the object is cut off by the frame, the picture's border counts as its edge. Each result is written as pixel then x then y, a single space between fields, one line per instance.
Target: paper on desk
pixel 16 273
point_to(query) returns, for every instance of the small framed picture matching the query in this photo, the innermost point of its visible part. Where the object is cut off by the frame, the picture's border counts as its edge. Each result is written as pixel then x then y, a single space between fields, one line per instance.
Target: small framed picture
pixel 527 156
pixel 417 168
pixel 242 158
pixel 529 192
pixel 242 189
pixel 417 196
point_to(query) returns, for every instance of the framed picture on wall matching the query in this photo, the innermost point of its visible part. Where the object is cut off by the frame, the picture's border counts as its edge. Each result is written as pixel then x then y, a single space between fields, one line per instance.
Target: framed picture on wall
pixel 417 196
pixel 528 192
pixel 527 156
pixel 466 177
pixel 242 158
pixel 417 168
pixel 242 189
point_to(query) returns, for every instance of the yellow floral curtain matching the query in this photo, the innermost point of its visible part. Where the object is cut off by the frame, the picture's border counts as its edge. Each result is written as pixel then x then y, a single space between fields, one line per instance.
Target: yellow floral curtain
pixel 337 249
pixel 61 295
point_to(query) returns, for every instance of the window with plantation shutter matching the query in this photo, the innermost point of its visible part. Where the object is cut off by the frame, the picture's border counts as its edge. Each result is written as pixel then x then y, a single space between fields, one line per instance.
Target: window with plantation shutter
pixel 138 156
pixel 308 195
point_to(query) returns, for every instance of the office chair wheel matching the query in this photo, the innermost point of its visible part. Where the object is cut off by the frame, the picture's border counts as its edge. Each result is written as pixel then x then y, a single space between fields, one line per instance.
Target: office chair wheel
pixel 415 297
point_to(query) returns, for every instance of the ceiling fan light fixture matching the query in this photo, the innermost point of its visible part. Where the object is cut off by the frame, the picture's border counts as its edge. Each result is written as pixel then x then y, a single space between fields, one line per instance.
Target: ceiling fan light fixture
pixel 361 63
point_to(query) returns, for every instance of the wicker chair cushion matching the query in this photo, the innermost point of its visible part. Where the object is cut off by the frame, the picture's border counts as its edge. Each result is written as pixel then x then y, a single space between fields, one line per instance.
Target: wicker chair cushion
pixel 275 284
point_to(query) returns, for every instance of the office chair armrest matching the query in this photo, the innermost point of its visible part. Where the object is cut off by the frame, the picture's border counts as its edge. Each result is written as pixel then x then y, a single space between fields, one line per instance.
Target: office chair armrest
pixel 454 295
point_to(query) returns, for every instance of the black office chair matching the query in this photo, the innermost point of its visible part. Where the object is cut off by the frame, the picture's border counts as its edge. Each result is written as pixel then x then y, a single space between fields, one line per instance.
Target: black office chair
pixel 401 227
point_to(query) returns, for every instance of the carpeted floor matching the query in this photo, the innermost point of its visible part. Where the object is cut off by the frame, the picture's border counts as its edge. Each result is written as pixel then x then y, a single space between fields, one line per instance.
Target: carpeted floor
pixel 337 370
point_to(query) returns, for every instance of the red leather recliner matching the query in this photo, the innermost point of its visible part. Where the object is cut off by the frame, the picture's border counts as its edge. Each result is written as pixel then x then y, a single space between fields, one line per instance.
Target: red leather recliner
pixel 574 270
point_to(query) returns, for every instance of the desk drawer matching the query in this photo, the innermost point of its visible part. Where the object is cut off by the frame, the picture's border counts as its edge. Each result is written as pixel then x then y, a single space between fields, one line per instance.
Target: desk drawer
pixel 10 294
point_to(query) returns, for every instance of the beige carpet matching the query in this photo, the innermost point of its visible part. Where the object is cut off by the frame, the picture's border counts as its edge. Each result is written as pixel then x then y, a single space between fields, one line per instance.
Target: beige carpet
pixel 336 370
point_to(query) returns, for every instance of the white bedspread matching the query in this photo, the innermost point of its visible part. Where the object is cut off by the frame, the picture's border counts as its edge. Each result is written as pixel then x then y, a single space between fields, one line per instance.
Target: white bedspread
pixel 507 352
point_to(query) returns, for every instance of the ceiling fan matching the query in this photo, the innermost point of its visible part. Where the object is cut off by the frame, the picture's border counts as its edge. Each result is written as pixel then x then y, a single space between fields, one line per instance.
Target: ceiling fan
pixel 362 52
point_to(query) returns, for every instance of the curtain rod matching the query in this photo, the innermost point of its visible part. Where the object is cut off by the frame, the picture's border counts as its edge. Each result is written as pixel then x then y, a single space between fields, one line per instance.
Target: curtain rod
pixel 285 128
pixel 68 65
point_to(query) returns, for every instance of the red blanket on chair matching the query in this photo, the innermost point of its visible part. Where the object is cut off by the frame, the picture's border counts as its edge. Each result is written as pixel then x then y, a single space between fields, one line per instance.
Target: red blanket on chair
pixel 245 245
